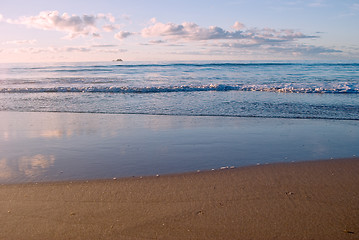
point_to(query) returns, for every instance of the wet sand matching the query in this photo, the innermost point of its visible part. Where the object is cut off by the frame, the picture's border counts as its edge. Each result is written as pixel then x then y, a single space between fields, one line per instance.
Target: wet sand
pixel 308 200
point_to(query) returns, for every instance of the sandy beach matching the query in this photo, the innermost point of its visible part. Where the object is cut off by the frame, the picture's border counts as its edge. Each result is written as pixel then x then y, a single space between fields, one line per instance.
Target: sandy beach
pixel 308 200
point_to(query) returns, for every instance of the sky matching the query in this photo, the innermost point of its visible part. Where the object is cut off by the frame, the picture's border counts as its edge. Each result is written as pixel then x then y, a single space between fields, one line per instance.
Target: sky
pixel 174 30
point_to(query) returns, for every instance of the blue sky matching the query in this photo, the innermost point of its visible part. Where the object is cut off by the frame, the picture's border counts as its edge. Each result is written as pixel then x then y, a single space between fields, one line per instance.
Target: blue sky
pixel 91 30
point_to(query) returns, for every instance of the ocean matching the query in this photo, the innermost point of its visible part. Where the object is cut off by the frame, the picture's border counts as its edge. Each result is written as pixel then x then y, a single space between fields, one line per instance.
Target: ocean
pixel 201 115
pixel 244 89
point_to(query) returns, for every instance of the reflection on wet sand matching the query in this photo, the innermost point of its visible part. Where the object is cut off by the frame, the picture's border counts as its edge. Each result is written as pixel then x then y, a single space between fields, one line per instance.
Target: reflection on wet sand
pixel 18 125
pixel 29 166
pixel 31 142
pixel 34 164
pixel 5 171
pixel 63 146
pixel 54 133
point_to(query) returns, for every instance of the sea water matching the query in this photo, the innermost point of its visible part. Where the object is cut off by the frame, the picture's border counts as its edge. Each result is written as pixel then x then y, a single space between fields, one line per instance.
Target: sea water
pixel 141 118
pixel 244 89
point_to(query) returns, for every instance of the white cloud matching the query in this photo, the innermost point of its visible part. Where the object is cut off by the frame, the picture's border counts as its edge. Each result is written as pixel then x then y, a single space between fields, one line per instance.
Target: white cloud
pixel 33 41
pixel 355 6
pixel 186 31
pixel 153 20
pixel 109 17
pixel 64 49
pixel 216 40
pixel 75 49
pixel 192 32
pixel 109 28
pixel 317 3
pixel 298 49
pixel 114 50
pixel 352 10
pixel 157 42
pixel 73 25
pixel 122 35
pixel 301 49
pixel 104 46
pixel 237 39
pixel 238 26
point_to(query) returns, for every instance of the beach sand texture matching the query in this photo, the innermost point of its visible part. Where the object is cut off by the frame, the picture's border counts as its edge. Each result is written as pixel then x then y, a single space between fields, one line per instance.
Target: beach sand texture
pixel 309 200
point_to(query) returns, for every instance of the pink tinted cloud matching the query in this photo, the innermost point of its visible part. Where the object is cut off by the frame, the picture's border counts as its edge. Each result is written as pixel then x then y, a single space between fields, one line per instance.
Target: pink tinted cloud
pixel 123 34
pixel 186 31
pixel 238 26
pixel 73 25
pixel 193 32
pixel 18 42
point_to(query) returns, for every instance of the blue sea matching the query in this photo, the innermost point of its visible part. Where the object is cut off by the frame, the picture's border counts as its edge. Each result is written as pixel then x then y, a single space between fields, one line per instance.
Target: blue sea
pixel 238 89
pixel 63 121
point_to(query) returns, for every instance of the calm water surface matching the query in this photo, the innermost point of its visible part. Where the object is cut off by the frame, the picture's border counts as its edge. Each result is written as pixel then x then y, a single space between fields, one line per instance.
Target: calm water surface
pixel 103 120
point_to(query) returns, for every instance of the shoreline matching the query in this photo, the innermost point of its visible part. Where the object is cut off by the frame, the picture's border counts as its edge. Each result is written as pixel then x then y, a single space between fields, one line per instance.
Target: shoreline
pixel 59 146
pixel 301 200
pixel 186 115
pixel 180 174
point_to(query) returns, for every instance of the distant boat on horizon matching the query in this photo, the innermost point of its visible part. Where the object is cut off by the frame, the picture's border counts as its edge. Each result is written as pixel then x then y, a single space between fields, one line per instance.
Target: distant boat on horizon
pixel 118 60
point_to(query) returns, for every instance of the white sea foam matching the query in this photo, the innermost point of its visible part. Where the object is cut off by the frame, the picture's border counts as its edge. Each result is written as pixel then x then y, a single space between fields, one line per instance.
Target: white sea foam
pixel 287 88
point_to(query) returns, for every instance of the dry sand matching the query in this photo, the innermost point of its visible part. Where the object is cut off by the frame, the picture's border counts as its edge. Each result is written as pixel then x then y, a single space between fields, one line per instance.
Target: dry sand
pixel 311 200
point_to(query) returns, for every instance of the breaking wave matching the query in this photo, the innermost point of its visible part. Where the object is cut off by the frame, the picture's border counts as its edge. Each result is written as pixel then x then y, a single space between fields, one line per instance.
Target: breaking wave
pixel 339 89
